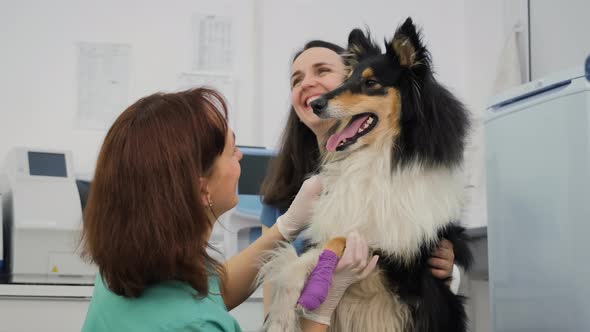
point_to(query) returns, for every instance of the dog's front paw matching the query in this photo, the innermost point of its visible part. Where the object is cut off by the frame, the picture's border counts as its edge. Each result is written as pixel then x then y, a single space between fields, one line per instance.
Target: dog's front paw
pixel 286 286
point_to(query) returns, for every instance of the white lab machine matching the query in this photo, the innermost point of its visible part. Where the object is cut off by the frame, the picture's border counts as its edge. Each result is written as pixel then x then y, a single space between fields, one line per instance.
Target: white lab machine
pixel 43 218
pixel 538 191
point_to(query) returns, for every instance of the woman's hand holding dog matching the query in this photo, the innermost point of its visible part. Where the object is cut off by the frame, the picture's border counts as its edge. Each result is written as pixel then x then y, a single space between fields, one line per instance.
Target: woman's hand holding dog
pixel 299 213
pixel 442 260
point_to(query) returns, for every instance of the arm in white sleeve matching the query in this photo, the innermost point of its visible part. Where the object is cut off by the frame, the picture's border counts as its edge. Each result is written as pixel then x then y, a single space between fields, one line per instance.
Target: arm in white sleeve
pixel 456 280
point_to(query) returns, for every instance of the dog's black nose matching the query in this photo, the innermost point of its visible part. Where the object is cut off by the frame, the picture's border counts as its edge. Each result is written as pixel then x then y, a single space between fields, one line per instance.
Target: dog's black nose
pixel 319 105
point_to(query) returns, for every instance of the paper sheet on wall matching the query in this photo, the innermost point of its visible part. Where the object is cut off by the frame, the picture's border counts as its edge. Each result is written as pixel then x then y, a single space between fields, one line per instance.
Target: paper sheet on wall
pixel 213 43
pixel 103 83
pixel 223 83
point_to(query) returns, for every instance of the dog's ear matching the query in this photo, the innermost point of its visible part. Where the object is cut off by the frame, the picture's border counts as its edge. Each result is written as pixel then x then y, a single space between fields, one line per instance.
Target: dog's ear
pixel 360 46
pixel 406 46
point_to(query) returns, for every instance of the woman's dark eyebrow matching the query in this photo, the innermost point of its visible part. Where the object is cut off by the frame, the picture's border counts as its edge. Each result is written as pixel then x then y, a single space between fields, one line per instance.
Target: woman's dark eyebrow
pixel 296 73
pixel 319 64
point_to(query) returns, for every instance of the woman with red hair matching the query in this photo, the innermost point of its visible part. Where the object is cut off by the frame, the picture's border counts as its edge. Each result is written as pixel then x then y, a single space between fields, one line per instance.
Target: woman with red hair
pixel 167 169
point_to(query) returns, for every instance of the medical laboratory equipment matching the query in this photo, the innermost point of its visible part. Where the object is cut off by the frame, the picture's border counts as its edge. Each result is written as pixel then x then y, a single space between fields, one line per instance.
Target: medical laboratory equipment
pixel 43 218
pixel 538 191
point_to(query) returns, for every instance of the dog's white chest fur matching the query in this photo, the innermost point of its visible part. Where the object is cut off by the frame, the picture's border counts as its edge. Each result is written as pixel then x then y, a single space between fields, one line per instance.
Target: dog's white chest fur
pixel 396 211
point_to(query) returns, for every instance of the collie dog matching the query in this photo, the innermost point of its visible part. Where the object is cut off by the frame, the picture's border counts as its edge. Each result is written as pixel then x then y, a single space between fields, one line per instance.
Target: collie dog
pixel 391 171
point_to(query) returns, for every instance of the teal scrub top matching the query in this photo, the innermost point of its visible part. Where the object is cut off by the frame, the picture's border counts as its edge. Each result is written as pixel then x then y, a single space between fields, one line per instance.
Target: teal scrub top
pixel 167 306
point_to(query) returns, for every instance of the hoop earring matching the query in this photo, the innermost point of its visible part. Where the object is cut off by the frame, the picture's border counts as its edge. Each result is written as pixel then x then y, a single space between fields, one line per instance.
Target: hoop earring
pixel 211 209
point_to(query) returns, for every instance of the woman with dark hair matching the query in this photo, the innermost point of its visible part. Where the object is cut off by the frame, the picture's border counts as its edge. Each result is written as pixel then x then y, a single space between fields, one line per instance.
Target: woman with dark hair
pixel 167 169
pixel 315 70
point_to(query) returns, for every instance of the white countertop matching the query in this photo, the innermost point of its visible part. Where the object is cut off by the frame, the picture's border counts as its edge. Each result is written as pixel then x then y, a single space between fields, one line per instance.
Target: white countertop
pixel 65 291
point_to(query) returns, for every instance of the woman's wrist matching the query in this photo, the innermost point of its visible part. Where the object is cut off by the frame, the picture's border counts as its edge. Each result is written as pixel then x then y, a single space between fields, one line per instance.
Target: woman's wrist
pixel 276 234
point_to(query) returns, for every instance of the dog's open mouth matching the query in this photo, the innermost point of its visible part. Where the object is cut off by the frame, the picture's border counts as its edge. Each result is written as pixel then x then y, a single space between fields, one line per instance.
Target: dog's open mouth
pixel 358 126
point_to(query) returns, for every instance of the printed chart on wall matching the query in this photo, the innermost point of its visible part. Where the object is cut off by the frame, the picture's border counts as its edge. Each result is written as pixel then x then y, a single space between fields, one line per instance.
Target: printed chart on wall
pixel 213 43
pixel 103 83
pixel 212 58
pixel 220 82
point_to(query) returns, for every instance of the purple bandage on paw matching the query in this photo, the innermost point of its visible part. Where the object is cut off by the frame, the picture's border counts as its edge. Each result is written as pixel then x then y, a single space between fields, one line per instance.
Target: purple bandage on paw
pixel 318 284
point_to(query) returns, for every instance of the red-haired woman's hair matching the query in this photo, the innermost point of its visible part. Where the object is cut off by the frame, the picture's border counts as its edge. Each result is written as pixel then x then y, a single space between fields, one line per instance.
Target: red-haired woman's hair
pixel 145 221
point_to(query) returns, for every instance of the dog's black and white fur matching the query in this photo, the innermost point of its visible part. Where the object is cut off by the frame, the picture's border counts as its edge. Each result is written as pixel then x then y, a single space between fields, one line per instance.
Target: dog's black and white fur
pixel 396 181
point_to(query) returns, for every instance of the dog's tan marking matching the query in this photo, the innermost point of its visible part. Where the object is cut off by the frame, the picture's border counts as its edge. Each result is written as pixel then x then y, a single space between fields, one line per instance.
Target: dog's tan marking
pixel 352 104
pixel 336 245
pixel 348 101
pixel 367 73
pixel 396 109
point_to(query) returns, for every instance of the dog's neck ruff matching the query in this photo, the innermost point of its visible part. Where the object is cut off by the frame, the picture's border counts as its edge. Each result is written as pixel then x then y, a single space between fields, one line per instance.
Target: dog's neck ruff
pixel 397 211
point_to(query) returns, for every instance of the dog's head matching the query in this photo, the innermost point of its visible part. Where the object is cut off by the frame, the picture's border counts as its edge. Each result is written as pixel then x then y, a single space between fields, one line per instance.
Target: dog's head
pixel 392 98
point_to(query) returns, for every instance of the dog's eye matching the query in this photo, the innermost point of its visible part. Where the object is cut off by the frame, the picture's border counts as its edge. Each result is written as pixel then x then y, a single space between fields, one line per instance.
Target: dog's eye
pixel 371 83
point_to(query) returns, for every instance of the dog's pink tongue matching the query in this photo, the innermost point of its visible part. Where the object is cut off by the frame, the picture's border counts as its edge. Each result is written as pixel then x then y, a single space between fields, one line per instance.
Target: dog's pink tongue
pixel 347 132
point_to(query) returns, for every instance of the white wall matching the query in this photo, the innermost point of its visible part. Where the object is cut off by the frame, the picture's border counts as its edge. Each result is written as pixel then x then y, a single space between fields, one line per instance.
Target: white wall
pixel 489 25
pixel 560 36
pixel 38 62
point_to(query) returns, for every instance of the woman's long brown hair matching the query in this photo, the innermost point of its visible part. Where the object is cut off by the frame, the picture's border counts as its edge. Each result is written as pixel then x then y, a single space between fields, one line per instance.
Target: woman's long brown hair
pixel 144 221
